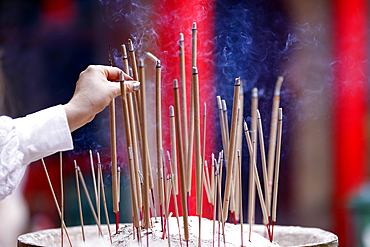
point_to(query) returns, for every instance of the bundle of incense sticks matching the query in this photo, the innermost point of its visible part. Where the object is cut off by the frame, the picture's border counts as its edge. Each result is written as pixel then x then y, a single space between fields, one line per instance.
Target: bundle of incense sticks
pixel 186 136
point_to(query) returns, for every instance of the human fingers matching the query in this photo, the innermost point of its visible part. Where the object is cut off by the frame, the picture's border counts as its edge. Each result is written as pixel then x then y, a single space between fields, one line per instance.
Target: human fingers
pixel 113 73
pixel 130 86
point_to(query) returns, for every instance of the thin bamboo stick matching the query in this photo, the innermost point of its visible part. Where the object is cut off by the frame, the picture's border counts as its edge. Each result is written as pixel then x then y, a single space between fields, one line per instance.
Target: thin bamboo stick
pixel 79 203
pixel 100 174
pixel 173 149
pixel 273 131
pixel 189 158
pixel 277 164
pixel 214 201
pixel 221 116
pixel 181 160
pixel 134 143
pixel 145 158
pixel 89 200
pixel 61 196
pixel 226 131
pixel 240 196
pixel 254 107
pixel 231 149
pixel 158 127
pixel 263 158
pixel 206 182
pixel 55 200
pixel 174 196
pixel 240 148
pixel 257 181
pixel 126 121
pixel 95 186
pixel 204 162
pixel 183 98
pixel 197 145
pixel 112 116
pixel 213 178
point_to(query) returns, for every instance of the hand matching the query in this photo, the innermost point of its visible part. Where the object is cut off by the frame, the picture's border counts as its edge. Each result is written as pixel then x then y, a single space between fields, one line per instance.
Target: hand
pixel 95 89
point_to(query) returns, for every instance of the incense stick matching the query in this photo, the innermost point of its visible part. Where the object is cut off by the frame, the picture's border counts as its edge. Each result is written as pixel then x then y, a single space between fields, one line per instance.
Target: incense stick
pixel 100 174
pixel 214 174
pixel 183 99
pixel 181 160
pixel 94 182
pixel 255 174
pixel 240 148
pixel 213 178
pixel 145 158
pixel 61 196
pixel 273 131
pixel 252 187
pixel 197 147
pixel 231 149
pixel 119 185
pixel 221 116
pixel 263 158
pixel 55 200
pixel 151 56
pixel 158 128
pixel 241 196
pixel 174 196
pixel 112 116
pixel 204 162
pixel 173 149
pixel 134 146
pixel 79 203
pixel 128 146
pixel 89 200
pixel 277 166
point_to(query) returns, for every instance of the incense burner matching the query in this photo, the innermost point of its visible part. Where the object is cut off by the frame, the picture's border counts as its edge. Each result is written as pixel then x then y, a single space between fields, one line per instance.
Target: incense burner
pixel 283 236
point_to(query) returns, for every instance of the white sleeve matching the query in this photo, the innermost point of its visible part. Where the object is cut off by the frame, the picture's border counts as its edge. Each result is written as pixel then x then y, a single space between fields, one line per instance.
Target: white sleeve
pixel 27 139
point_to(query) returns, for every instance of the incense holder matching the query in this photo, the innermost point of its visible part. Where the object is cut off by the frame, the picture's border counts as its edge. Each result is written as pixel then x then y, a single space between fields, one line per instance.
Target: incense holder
pixel 127 236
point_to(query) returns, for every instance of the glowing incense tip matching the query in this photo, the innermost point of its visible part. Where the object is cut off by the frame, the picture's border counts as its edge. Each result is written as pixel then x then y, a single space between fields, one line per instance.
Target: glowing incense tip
pixel 141 63
pixel 130 45
pixel 175 84
pixel 151 56
pixel 172 112
pixel 224 107
pixel 194 25
pixel 279 81
pixel 254 92
pixel 118 169
pixel 195 70
pixel 121 76
pixel 181 37
pixel 258 114
pixel 237 81
pixel 75 164
pixel 280 114
pixel 219 102
pixel 124 52
pixel 204 109
pixel 90 152
pixel 158 64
